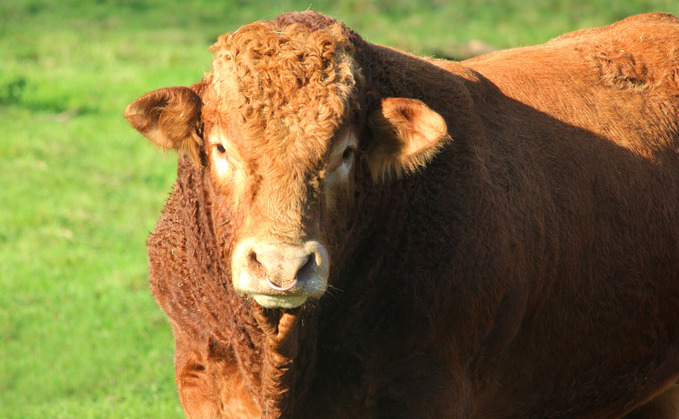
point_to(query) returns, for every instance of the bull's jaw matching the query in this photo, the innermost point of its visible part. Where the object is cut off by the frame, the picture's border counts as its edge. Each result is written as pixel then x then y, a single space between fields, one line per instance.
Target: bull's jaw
pixel 280 275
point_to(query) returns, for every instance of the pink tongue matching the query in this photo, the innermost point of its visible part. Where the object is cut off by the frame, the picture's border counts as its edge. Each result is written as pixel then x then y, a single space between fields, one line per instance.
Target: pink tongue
pixel 277 288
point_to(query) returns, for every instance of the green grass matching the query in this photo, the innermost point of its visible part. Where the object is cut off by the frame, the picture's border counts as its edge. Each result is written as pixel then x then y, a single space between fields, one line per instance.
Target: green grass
pixel 80 335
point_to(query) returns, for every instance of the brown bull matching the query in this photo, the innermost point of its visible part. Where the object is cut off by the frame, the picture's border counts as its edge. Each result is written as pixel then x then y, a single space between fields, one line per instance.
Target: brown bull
pixel 356 232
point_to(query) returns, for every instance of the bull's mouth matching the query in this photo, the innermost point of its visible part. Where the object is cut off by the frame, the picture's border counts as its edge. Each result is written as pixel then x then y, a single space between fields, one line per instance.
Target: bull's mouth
pixel 290 296
pixel 270 295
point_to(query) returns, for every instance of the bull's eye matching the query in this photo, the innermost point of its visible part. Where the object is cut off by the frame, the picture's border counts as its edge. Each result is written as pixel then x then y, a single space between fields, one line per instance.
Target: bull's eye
pixel 348 154
pixel 342 162
pixel 220 148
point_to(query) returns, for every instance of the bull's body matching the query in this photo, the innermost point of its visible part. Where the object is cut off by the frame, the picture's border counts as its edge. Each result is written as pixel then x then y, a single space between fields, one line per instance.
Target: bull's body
pixel 530 270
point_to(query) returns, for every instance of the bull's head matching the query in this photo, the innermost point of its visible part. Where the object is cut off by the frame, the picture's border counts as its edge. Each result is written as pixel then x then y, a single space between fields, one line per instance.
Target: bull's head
pixel 280 124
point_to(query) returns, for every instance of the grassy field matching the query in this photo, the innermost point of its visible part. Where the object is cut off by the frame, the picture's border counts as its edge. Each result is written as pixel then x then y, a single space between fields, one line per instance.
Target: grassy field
pixel 80 336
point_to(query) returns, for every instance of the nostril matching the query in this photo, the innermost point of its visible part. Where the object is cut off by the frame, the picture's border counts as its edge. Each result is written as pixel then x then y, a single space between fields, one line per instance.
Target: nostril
pixel 307 266
pixel 254 265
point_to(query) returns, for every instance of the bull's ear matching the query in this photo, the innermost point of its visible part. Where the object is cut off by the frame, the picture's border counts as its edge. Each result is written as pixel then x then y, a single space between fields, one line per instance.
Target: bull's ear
pixel 169 117
pixel 406 134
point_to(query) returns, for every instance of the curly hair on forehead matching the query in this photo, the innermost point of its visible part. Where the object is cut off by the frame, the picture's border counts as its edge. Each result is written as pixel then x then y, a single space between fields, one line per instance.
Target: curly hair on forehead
pixel 283 79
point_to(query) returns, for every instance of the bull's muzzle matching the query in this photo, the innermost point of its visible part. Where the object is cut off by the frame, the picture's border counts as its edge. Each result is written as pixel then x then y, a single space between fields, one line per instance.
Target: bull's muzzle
pixel 280 275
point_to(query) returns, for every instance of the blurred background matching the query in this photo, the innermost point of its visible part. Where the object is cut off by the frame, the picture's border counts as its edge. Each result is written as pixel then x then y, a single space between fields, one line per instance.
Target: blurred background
pixel 80 335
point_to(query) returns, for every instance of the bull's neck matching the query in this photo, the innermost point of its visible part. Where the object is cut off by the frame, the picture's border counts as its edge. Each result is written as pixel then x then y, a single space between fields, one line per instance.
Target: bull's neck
pixel 286 363
pixel 398 74
pixel 441 85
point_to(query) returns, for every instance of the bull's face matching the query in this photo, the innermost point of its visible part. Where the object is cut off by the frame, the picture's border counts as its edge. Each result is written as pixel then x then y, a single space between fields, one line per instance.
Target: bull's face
pixel 282 198
pixel 279 126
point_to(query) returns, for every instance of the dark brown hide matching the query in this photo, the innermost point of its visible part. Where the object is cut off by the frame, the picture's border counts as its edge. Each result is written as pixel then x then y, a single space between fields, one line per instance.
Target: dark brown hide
pixel 525 265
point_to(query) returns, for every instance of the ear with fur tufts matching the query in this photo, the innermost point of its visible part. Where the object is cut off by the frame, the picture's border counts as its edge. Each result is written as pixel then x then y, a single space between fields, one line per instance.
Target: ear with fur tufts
pixel 169 117
pixel 407 134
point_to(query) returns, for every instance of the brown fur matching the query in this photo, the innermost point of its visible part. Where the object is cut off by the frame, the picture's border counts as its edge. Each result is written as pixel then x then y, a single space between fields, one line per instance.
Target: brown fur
pixel 527 268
